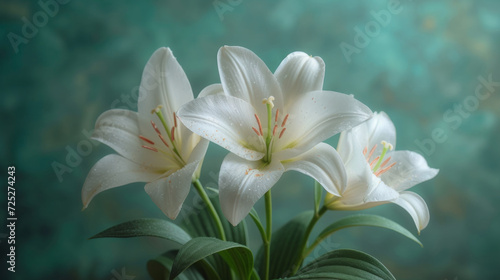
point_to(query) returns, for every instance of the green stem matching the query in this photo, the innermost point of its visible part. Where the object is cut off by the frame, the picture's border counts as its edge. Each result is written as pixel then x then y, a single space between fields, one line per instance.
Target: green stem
pixel 267 243
pixel 309 229
pixel 213 213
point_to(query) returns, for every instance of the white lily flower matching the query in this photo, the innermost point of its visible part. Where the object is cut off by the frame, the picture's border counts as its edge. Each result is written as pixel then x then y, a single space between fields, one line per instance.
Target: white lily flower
pixel 271 124
pixel 377 175
pixel 152 145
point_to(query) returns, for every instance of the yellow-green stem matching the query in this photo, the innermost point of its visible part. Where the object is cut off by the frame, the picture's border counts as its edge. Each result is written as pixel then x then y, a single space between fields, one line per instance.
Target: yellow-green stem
pixel 211 208
pixel 267 242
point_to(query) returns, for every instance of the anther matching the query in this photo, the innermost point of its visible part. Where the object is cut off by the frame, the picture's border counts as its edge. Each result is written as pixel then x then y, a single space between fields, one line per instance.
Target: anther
pixel 284 121
pixel 371 152
pixel 172 134
pixel 146 139
pixel 155 128
pixel 256 131
pixel 281 134
pixel 385 169
pixel 175 120
pixel 374 161
pixel 163 140
pixel 276 117
pixel 274 130
pixel 150 148
pixel 260 125
pixel 365 150
pixel 385 162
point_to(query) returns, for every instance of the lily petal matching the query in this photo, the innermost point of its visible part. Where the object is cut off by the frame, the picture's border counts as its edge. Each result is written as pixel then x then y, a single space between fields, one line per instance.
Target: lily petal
pixel 416 207
pixel 242 183
pixel 113 171
pixel 318 115
pixel 299 73
pixel 214 89
pixel 169 193
pixel 226 121
pixel 410 169
pixel 377 129
pixel 119 130
pixel 323 164
pixel 244 75
pixel 163 83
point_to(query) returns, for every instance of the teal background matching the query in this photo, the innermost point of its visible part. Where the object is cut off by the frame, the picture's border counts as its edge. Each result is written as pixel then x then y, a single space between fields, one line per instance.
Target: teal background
pixel 423 62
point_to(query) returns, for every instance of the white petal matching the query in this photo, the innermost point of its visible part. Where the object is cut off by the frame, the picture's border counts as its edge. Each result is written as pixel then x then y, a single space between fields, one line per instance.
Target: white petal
pixel 410 169
pixel 416 207
pixel 244 75
pixel 119 130
pixel 372 132
pixel 215 89
pixel 323 164
pixel 318 115
pixel 242 183
pixel 226 121
pixel 299 73
pixel 380 192
pixel 351 153
pixel 113 171
pixel 163 83
pixel 169 193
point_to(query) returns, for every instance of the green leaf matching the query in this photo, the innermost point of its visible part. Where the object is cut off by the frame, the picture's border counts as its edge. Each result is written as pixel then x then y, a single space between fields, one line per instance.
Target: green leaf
pixel 198 223
pixel 318 194
pixel 285 249
pixel 345 265
pixel 147 227
pixel 237 256
pixel 160 268
pixel 365 220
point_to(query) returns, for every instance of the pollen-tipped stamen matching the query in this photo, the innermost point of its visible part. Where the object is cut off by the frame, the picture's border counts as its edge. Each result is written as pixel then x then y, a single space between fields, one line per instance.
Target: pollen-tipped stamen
pixel 146 140
pixel 150 148
pixel 258 122
pixel 380 172
pixel 284 121
pixel 371 152
pixel 170 132
pixel 256 131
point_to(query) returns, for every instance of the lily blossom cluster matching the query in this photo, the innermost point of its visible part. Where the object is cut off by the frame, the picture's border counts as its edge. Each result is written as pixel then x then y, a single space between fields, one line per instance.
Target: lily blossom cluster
pixel 270 123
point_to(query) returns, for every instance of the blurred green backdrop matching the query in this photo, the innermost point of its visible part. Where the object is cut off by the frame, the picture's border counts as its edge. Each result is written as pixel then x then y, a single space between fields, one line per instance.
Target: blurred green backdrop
pixel 63 63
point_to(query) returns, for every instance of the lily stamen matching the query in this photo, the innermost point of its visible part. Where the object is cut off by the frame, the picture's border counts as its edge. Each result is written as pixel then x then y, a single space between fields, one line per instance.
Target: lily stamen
pixel 256 131
pixel 385 169
pixel 172 134
pixel 260 125
pixel 374 161
pixel 281 134
pixel 146 140
pixel 274 130
pixel 150 148
pixel 371 152
pixel 284 121
pixel 385 162
pixel 163 140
